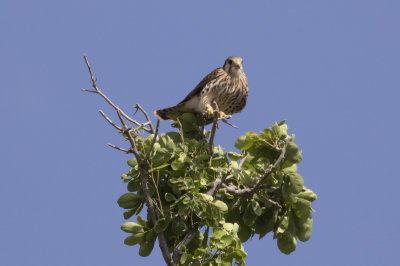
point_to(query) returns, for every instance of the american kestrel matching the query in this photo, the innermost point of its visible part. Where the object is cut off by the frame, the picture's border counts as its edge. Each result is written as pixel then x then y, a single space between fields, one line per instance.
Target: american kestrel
pixel 226 85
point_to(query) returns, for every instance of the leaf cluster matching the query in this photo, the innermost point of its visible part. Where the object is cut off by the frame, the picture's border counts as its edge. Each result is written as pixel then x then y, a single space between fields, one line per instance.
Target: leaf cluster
pixel 180 172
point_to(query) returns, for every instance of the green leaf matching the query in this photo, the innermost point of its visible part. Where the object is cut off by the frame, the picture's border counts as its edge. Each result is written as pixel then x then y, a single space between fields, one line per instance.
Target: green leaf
pixel 296 182
pixel 220 205
pixel 131 227
pixel 129 200
pixel 184 210
pixel 134 239
pixel 244 233
pixel 263 226
pixel 140 220
pixel 170 197
pixel 167 142
pixel 161 225
pixel 178 226
pixel 132 162
pixel 129 214
pixel 304 228
pixel 283 225
pixel 249 218
pixel 286 243
pixel 276 131
pixel 161 158
pixel 177 164
pixel 283 129
pixel 243 143
pixel 203 157
pixel 307 194
pixel 175 136
pixel 302 207
pixel 217 234
pixel 134 185
pixel 183 258
pixel 287 194
pixel 293 153
pixel 205 197
pixel 228 227
pixel 227 240
pixel 147 246
pixel 256 208
pixel 234 156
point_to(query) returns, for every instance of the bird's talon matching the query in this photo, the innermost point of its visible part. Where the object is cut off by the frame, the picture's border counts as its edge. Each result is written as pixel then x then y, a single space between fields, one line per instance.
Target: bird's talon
pixel 209 111
pixel 222 115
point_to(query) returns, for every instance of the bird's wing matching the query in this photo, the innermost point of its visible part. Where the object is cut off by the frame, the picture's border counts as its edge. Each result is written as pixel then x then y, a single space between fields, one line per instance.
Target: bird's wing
pixel 197 90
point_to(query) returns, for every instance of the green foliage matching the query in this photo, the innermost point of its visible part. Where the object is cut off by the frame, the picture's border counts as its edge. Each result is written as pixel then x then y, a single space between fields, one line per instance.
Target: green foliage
pixel 181 170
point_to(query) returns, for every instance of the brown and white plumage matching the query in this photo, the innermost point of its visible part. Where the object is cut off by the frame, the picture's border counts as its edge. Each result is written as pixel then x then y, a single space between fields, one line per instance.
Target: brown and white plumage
pixel 227 86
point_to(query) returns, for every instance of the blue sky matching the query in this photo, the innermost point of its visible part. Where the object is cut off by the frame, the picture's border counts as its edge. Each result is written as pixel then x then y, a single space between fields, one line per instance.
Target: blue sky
pixel 331 68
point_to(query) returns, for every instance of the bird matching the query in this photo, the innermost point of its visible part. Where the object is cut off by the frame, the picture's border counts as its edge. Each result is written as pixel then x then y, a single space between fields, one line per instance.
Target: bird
pixel 226 86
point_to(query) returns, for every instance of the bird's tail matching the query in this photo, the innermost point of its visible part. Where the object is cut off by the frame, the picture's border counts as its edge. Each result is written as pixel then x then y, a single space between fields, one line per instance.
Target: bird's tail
pixel 167 113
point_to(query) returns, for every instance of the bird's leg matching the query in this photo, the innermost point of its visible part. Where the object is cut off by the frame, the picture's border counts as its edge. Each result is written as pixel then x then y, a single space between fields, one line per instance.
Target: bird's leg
pixel 209 110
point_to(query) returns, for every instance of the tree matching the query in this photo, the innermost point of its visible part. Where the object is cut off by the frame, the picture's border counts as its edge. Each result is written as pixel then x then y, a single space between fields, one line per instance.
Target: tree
pixel 202 202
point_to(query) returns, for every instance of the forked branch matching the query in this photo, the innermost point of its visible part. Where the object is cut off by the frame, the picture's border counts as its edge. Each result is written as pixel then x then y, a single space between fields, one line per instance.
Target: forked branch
pixel 98 91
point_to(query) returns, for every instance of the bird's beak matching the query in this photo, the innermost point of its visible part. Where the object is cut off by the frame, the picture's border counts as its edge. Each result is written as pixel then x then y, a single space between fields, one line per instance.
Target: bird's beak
pixel 236 64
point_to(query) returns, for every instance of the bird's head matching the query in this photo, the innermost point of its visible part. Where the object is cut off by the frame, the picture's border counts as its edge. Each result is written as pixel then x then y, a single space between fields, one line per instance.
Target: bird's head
pixel 233 65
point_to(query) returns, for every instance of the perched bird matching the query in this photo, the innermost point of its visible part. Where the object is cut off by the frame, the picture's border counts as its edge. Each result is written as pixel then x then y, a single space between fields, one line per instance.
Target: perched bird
pixel 226 86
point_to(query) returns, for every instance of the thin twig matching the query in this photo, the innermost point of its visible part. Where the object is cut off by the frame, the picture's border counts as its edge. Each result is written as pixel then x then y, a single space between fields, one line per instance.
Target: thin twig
pixel 109 120
pixel 118 148
pixel 147 117
pixel 98 91
pixel 226 122
pixel 127 131
pixel 276 204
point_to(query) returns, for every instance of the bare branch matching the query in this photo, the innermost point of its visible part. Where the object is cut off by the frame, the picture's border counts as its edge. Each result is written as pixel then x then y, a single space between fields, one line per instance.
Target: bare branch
pixel 127 131
pixel 226 122
pixel 109 120
pixel 118 148
pixel 138 107
pixel 98 91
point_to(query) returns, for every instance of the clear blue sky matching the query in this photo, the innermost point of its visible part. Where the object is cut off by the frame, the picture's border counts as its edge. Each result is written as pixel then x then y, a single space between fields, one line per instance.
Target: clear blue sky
pixel 331 68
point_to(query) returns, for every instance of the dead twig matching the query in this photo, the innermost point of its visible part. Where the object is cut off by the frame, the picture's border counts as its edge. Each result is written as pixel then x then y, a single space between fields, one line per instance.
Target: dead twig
pixel 98 91
pixel 226 122
pixel 118 148
pixel 109 120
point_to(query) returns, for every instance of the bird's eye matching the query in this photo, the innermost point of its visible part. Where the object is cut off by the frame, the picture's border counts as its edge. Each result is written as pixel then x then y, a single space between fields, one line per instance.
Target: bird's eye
pixel 230 61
